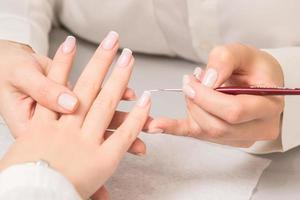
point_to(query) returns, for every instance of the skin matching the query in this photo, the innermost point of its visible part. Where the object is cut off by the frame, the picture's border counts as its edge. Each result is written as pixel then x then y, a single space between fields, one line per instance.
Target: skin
pixel 20 92
pixel 55 137
pixel 239 120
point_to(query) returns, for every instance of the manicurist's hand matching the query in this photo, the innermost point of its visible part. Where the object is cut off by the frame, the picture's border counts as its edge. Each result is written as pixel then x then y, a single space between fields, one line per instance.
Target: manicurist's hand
pixel 77 144
pixel 239 120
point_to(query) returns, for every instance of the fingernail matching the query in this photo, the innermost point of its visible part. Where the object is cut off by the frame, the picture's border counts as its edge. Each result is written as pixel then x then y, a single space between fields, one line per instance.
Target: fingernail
pixel 67 101
pixel 69 44
pixel 124 58
pixel 110 40
pixel 185 80
pixel 144 99
pixel 140 154
pixel 155 130
pixel 188 91
pixel 197 73
pixel 210 77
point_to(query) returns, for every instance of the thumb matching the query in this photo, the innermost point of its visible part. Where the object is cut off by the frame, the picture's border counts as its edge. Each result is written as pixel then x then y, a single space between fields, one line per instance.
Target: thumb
pixel 225 61
pixel 45 91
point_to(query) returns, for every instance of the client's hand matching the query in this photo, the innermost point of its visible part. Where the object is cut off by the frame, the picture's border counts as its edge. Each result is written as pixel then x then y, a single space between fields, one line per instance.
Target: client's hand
pixel 23 83
pixel 74 144
pixel 239 120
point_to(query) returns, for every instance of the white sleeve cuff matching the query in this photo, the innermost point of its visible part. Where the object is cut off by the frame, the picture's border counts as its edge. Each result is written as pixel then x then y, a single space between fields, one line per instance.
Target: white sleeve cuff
pixel 27 21
pixel 35 182
pixel 23 31
pixel 289 59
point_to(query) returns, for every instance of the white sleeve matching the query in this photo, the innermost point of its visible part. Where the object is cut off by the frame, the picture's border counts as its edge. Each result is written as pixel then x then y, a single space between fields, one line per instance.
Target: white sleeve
pixel 34 182
pixel 289 58
pixel 27 22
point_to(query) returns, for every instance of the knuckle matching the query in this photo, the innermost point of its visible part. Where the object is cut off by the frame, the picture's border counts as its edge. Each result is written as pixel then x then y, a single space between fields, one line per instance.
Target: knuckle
pixel 217 131
pixel 88 85
pixel 43 90
pixel 127 135
pixel 108 101
pixel 194 130
pixel 234 114
pixel 222 53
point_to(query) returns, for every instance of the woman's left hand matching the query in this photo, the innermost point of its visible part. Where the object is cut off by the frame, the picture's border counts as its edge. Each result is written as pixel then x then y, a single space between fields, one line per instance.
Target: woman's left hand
pixel 239 120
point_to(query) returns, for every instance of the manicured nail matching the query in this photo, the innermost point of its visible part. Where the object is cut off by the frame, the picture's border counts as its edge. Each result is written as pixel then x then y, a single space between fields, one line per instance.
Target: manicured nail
pixel 210 77
pixel 124 58
pixel 185 80
pixel 69 44
pixel 67 101
pixel 188 91
pixel 197 73
pixel 155 130
pixel 110 40
pixel 144 99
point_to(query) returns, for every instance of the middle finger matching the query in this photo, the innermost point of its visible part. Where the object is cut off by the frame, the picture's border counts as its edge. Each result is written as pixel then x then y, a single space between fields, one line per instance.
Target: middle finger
pixel 90 81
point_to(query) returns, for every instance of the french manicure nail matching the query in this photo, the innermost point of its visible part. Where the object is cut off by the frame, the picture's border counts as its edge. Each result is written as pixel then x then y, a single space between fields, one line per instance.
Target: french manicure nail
pixel 185 80
pixel 155 130
pixel 69 44
pixel 144 99
pixel 189 91
pixel 67 101
pixel 124 58
pixel 210 77
pixel 110 40
pixel 197 73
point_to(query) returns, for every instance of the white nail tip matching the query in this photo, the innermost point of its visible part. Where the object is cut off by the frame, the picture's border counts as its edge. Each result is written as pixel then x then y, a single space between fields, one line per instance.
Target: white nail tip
pixel 110 40
pixel 124 58
pixel 197 73
pixel 188 91
pixel 67 101
pixel 185 80
pixel 144 99
pixel 69 44
pixel 210 77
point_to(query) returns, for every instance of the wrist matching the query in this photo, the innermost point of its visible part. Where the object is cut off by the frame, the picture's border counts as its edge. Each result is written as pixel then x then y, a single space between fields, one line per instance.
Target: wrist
pixel 23 46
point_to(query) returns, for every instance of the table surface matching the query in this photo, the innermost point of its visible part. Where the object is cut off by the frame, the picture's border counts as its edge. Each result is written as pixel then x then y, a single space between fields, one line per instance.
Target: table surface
pixel 282 178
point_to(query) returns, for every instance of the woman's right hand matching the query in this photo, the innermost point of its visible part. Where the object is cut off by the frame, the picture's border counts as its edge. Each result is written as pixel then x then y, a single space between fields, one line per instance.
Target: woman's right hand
pixel 75 144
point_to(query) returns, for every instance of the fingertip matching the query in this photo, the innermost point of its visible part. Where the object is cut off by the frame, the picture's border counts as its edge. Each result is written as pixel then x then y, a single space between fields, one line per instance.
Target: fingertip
pixel 138 148
pixel 68 102
pixel 130 95
pixel 156 126
pixel 145 99
pixel 68 45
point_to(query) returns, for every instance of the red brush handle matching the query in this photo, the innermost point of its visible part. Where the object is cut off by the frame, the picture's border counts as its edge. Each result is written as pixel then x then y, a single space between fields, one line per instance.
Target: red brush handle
pixel 259 90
